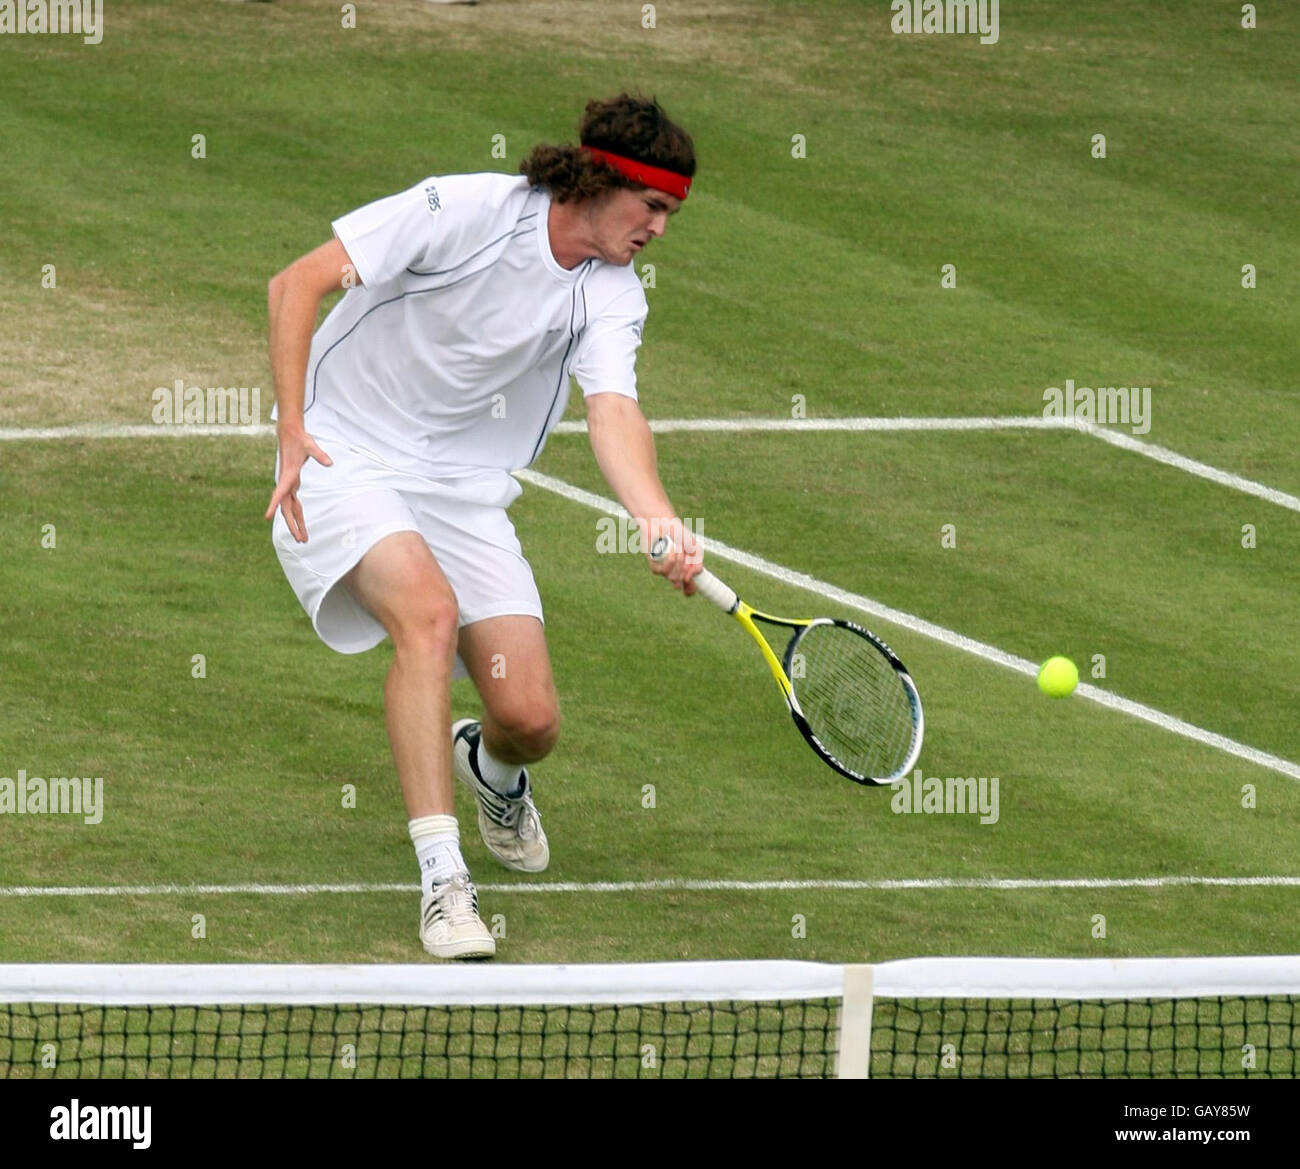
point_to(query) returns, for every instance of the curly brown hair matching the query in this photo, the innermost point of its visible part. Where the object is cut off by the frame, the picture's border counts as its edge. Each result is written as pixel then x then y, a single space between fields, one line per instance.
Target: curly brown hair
pixel 635 127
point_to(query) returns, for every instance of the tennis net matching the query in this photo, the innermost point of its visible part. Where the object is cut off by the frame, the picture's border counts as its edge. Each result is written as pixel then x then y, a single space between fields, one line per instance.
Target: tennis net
pixel 918 1018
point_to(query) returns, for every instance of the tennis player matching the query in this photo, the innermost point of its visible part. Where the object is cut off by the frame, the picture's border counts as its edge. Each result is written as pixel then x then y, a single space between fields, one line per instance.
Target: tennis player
pixel 470 300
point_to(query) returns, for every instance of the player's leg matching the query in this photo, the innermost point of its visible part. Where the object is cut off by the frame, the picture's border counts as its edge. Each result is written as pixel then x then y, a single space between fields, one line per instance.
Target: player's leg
pixel 511 667
pixel 400 584
pixel 508 661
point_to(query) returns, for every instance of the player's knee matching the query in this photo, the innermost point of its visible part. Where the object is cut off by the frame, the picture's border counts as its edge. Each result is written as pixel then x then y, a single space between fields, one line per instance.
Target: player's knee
pixel 426 626
pixel 532 729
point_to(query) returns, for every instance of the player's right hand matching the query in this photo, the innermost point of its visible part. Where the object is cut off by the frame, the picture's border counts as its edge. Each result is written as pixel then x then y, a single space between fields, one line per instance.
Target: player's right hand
pixel 296 447
pixel 682 561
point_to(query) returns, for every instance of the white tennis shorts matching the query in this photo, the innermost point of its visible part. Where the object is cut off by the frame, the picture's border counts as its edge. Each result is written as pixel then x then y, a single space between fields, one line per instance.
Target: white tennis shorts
pixel 352 505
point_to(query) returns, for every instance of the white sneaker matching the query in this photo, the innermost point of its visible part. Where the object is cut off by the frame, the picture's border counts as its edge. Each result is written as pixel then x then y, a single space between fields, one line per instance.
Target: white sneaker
pixel 511 829
pixel 450 926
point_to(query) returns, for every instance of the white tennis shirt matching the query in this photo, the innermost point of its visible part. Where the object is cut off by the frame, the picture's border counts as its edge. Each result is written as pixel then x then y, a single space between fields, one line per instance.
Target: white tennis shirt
pixel 452 359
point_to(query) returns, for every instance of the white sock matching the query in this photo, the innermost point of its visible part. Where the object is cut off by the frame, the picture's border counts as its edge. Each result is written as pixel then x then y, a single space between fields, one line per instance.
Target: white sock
pixel 506 779
pixel 437 849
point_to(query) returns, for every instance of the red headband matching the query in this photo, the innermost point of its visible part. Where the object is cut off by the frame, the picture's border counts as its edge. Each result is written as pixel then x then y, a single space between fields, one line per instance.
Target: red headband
pixel 648 176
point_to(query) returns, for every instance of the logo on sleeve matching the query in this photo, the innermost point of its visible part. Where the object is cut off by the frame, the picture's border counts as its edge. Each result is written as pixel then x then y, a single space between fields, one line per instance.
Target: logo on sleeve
pixel 435 204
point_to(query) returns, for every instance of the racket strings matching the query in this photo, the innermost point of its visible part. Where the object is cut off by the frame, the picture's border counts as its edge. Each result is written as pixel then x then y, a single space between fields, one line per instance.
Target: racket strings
pixel 854 700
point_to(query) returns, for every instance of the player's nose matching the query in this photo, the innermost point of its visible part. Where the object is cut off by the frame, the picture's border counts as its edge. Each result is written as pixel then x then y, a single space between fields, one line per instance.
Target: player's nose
pixel 658 224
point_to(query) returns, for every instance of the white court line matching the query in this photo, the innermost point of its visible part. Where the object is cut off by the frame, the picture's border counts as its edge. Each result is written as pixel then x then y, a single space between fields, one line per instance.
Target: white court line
pixel 1024 422
pixel 831 592
pixel 935 632
pixel 1160 454
pixel 114 430
pixel 745 425
pixel 685 885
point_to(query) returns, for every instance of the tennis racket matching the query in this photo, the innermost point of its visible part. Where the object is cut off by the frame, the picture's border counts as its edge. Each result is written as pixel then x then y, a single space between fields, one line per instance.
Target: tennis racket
pixel 851 698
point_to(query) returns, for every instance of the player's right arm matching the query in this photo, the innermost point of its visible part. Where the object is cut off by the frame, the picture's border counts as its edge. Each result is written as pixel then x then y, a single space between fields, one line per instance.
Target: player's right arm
pixel 293 300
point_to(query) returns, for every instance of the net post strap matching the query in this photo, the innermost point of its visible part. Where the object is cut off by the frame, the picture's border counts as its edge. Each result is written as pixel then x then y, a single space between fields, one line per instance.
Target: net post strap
pixel 854 1059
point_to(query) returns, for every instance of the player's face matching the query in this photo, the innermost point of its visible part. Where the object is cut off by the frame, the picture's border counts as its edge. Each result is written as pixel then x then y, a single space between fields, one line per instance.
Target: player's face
pixel 627 220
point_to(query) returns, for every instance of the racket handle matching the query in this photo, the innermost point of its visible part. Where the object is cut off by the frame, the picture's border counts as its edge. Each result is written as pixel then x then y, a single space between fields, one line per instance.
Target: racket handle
pixel 706 584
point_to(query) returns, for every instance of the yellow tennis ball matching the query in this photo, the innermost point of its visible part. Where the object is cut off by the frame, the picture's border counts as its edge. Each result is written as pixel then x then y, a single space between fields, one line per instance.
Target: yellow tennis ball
pixel 1058 677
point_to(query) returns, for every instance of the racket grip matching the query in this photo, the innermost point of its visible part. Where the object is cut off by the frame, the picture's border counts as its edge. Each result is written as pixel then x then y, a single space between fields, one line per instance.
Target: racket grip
pixel 706 584
pixel 711 588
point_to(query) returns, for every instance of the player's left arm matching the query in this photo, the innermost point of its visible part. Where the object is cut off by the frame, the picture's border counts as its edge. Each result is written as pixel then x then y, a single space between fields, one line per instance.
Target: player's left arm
pixel 625 452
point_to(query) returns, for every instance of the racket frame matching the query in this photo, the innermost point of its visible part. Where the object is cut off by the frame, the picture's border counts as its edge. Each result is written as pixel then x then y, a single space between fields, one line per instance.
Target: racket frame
pixel 729 601
pixel 909 687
